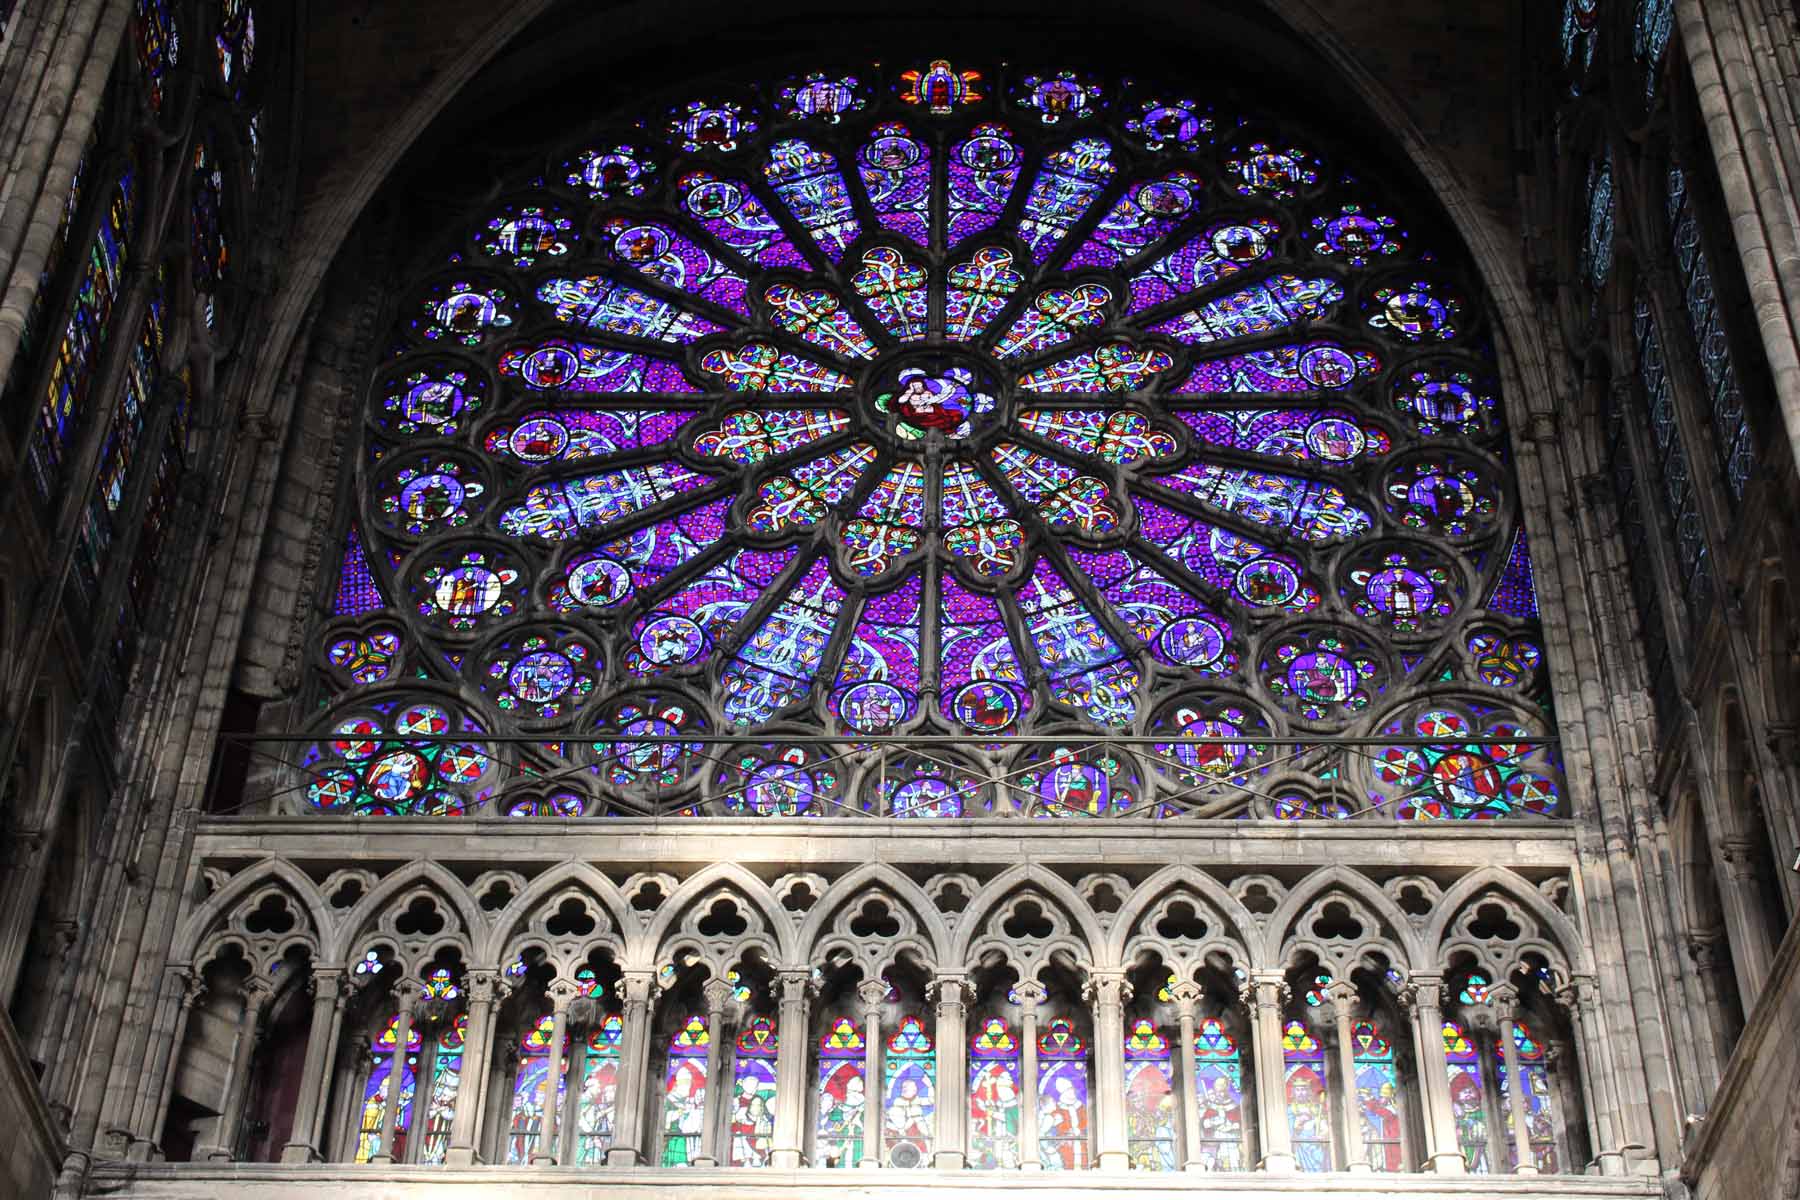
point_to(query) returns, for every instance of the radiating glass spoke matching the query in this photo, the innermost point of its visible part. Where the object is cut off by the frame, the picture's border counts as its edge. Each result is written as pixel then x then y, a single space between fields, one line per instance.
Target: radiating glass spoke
pixel 1314 512
pixel 597 303
pixel 776 664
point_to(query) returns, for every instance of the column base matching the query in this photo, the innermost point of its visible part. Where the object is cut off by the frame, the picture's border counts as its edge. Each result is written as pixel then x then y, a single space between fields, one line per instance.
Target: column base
pixel 381 1160
pixel 622 1156
pixel 221 1154
pixel 143 1152
pixel 543 1160
pixel 1525 1169
pixel 1612 1162
pixel 1031 1164
pixel 1444 1163
pixel 869 1164
pixel 1359 1168
pixel 1112 1160
pixel 704 1160
pixel 1278 1164
pixel 461 1156
pixel 786 1160
pixel 948 1160
pixel 300 1152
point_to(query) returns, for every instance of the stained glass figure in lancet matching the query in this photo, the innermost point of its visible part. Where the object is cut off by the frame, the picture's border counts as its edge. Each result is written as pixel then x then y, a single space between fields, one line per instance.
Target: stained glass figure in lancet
pixel 870 412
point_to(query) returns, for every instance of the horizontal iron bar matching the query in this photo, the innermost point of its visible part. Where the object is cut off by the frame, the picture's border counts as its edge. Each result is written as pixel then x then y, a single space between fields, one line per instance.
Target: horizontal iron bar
pixel 925 739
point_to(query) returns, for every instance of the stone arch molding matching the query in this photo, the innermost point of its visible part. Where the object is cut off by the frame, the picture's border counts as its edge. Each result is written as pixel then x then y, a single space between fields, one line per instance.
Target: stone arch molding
pixel 1529 924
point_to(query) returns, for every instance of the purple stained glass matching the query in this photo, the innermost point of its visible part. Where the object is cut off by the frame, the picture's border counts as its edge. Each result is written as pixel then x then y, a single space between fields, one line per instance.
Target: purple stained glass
pixel 895 168
pixel 684 625
pixel 1278 303
pixel 1087 670
pixel 778 660
pixel 981 685
pixel 1515 592
pixel 1065 187
pixel 1179 629
pixel 608 575
pixel 896 291
pixel 541 436
pixel 658 251
pixel 595 302
pixel 1148 212
pixel 1115 367
pixel 1301 367
pixel 559 364
pixel 357 591
pixel 1324 437
pixel 1221 251
pixel 977 291
pixel 588 503
pixel 730 212
pixel 808 181
pixel 877 685
pixel 1314 512
pixel 1248 572
pixel 984 170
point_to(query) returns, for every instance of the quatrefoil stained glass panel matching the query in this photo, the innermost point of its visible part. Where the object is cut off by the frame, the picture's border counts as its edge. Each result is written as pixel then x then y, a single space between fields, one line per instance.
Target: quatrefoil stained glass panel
pixel 943 403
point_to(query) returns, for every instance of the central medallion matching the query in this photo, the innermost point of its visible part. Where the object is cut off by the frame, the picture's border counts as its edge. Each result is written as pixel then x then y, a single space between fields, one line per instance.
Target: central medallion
pixel 948 396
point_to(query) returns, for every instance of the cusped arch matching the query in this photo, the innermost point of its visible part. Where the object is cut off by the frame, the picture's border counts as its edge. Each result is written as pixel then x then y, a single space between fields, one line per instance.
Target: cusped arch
pixel 364 919
pixel 1318 886
pixel 215 908
pixel 1172 879
pixel 928 938
pixel 723 879
pixel 971 923
pixel 510 922
pixel 1559 930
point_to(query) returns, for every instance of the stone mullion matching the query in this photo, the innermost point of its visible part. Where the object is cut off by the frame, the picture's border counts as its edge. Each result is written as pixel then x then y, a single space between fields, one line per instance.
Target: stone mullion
pixel 396 1080
pixel 1108 991
pixel 1343 1008
pixel 1443 1153
pixel 1030 994
pixel 1264 993
pixel 871 995
pixel 257 996
pixel 148 1136
pixel 1187 999
pixel 718 1101
pixel 1505 1000
pixel 791 1050
pixel 302 1145
pixel 545 1152
pixel 1752 951
pixel 1577 1000
pixel 952 993
pixel 478 1054
pixel 632 1097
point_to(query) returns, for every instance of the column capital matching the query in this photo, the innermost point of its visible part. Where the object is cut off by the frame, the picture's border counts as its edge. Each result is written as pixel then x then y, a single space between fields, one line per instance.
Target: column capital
pixel 486 986
pixel 193 987
pixel 1784 742
pixel 1422 992
pixel 1187 996
pixel 871 994
pixel 1344 998
pixel 718 994
pixel 1503 998
pixel 1030 994
pixel 1577 992
pixel 562 993
pixel 795 987
pixel 639 987
pixel 1108 986
pixel 1703 949
pixel 1265 990
pixel 950 989
pixel 407 991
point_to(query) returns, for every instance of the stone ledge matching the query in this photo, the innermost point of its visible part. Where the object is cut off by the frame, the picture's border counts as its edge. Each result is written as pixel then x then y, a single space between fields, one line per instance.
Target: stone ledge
pixel 184 1181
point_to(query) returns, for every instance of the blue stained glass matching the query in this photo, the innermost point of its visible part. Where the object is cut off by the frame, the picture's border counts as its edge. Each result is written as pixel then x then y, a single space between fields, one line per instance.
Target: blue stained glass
pixel 984 170
pixel 1515 593
pixel 1221 251
pixel 558 364
pixel 1323 437
pixel 599 304
pixel 895 168
pixel 801 498
pixel 685 625
pixel 1597 247
pixel 1118 437
pixel 1086 668
pixel 1066 186
pixel 540 436
pixel 818 316
pixel 1147 213
pixel 877 685
pixel 760 367
pixel 1303 367
pixel 1277 303
pixel 981 685
pixel 1313 512
pixel 1115 367
pixel 1178 628
pixel 657 250
pixel 808 180
pixel 775 666
pixel 1249 573
pixel 748 437
pixel 1731 424
pixel 730 211
pixel 586 503
pixel 1679 506
pixel 608 575
pixel 1064 498
pixel 887 525
pixel 1054 316
pixel 357 591
pixel 1580 32
pixel 1651 30
pixel 895 291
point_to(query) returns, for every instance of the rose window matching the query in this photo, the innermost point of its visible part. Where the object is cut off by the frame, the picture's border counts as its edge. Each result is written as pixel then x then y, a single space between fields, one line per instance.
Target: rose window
pixel 948 404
